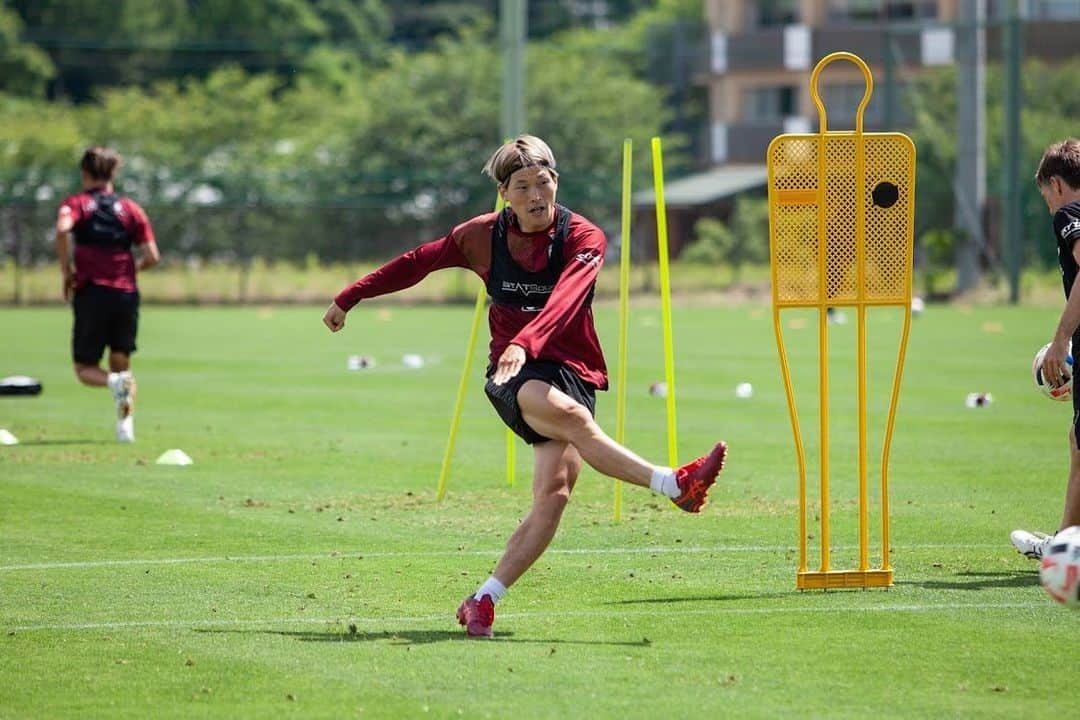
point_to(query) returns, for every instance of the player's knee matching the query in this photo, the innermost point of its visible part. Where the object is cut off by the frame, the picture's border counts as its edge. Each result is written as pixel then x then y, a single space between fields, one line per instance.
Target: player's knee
pixel 553 503
pixel 81 371
pixel 555 494
pixel 578 421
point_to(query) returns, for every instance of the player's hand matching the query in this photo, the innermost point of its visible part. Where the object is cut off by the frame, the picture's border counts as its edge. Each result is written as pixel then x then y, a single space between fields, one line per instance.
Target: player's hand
pixel 334 318
pixel 69 287
pixel 1056 370
pixel 509 364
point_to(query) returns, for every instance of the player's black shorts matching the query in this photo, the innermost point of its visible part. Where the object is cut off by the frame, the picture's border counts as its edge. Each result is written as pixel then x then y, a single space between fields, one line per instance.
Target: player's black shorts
pixel 103 316
pixel 504 397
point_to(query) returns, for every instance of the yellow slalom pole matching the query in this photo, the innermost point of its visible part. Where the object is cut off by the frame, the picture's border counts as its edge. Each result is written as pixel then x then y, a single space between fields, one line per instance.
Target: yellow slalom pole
pixel 444 474
pixel 470 350
pixel 665 299
pixel 624 312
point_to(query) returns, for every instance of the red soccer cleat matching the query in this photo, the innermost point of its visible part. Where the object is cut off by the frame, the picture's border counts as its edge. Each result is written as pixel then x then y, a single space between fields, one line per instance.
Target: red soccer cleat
pixel 697 477
pixel 477 616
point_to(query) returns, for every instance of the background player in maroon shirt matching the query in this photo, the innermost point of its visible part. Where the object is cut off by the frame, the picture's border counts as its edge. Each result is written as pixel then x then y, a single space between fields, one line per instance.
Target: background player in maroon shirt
pixel 539 262
pixel 99 279
pixel 1058 179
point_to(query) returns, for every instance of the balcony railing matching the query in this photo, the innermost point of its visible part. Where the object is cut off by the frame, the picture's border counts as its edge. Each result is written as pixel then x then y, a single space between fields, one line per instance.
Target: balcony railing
pixel 763 49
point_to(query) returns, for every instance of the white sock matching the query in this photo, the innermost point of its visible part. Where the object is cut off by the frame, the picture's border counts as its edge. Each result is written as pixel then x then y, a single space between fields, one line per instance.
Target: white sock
pixel 491 587
pixel 663 482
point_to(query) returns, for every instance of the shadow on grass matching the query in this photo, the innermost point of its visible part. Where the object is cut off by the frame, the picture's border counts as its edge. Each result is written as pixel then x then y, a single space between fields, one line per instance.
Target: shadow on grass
pixel 418 637
pixel 970 580
pixel 62 441
pixel 698 598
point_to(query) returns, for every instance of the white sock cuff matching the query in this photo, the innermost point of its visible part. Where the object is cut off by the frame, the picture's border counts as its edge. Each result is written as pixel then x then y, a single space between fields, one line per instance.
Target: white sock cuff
pixel 491 587
pixel 663 482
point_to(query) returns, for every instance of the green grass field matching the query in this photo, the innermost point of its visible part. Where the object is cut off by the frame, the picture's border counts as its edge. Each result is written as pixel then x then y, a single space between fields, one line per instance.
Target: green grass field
pixel 302 568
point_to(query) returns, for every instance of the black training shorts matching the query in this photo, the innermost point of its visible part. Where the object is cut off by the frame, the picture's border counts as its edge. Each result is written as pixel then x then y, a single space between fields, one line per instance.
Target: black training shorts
pixel 103 316
pixel 504 397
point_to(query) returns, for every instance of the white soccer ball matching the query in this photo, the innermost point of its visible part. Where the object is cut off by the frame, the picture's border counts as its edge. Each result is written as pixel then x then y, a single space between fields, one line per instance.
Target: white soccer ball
pixel 1061 392
pixel 1060 569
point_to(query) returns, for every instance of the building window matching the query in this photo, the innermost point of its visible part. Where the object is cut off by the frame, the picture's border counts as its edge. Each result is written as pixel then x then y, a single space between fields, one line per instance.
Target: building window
pixel 856 11
pixel 768 104
pixel 848 11
pixel 1035 9
pixel 1052 9
pixel 911 10
pixel 771 13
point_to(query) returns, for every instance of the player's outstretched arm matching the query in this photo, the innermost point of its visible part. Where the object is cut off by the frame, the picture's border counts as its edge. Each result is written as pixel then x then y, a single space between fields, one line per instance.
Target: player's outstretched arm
pixel 334 317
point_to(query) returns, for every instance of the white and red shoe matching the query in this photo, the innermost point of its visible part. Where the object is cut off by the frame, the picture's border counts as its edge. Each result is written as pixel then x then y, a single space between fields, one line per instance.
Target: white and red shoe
pixel 477 616
pixel 697 477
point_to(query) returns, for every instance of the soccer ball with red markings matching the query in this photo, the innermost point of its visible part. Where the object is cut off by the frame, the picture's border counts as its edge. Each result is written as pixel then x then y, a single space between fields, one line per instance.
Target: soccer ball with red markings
pixel 1060 569
pixel 1061 392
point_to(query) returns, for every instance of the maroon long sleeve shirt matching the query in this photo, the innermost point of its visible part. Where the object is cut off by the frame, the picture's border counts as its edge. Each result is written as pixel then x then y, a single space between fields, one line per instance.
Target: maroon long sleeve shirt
pixel 562 332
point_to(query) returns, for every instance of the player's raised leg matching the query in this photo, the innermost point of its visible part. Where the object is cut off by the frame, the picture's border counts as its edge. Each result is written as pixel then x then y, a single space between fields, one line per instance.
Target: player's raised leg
pixel 554 414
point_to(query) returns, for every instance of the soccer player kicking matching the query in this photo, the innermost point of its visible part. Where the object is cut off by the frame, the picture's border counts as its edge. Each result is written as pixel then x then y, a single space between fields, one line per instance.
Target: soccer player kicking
pixel 99 279
pixel 539 262
pixel 1058 179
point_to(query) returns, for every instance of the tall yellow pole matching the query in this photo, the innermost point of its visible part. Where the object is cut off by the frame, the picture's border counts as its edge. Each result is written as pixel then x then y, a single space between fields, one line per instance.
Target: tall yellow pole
pixel 823 350
pixel 459 403
pixel 665 299
pixel 860 279
pixel 444 473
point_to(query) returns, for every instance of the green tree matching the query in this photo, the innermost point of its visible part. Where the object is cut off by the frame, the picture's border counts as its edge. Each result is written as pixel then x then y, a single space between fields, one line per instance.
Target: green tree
pixel 332 161
pixel 40 145
pixel 128 42
pixel 744 240
pixel 1049 113
pixel 24 68
pixel 657 45
pixel 94 45
pixel 420 23
pixel 436 121
pixel 234 151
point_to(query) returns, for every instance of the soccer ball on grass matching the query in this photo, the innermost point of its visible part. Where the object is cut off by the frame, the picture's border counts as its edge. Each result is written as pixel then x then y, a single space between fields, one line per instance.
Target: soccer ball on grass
pixel 1059 572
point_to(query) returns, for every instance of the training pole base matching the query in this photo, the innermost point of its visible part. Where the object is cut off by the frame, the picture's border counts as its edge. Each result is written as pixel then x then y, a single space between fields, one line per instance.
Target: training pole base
pixel 842 579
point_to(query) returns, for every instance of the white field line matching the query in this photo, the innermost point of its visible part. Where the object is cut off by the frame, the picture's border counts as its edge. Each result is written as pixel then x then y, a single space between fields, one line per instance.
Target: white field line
pixel 447 618
pixel 354 554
